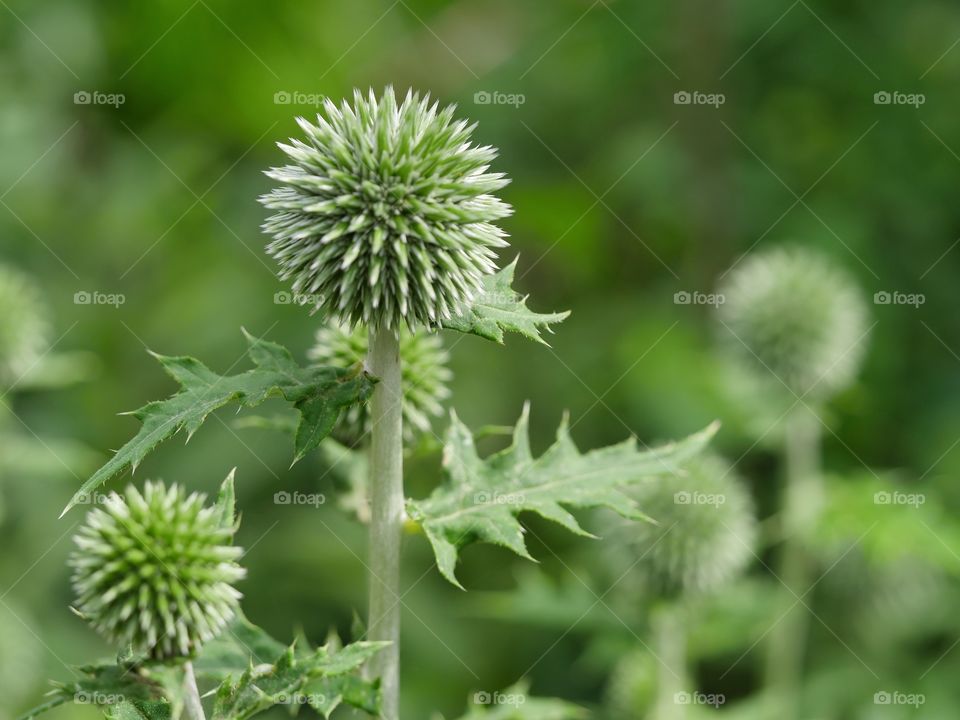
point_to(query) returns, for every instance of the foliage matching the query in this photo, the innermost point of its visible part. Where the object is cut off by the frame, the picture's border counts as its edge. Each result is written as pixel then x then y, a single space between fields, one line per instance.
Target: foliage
pixel 481 499
pixel 318 393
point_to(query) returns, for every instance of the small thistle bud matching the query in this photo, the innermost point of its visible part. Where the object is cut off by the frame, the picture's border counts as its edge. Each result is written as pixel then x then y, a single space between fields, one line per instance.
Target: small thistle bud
pixel 423 376
pixel 385 212
pixel 24 330
pixel 790 314
pixel 705 532
pixel 155 571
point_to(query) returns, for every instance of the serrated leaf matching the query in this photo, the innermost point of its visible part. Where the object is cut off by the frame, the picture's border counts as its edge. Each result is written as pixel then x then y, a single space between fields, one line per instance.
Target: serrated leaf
pixel 516 703
pixel 139 710
pixel 481 499
pixel 318 393
pixel 500 308
pixel 271 673
pixel 104 684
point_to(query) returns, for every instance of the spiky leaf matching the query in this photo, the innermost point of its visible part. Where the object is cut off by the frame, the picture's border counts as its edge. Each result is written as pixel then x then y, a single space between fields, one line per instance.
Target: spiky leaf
pixel 271 673
pixel 318 393
pixel 500 308
pixel 481 499
pixel 139 710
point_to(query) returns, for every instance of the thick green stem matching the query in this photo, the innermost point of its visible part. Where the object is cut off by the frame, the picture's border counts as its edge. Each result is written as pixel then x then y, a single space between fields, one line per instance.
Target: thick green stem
pixel 803 498
pixel 386 514
pixel 192 706
pixel 671 648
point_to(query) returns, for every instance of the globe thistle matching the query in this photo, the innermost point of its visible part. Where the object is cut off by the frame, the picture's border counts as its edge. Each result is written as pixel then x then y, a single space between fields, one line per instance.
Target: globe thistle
pixel 791 314
pixel 24 331
pixel 155 571
pixel 705 528
pixel 423 376
pixel 386 212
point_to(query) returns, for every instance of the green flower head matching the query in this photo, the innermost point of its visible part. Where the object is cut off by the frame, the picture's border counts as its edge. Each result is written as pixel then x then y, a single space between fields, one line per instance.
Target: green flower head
pixel 155 571
pixel 24 331
pixel 790 316
pixel 424 376
pixel 385 213
pixel 705 528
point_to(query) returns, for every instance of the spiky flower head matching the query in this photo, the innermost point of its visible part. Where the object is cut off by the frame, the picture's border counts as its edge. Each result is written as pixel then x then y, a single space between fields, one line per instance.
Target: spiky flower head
pixel 423 376
pixel 385 213
pixel 155 571
pixel 24 330
pixel 705 528
pixel 791 316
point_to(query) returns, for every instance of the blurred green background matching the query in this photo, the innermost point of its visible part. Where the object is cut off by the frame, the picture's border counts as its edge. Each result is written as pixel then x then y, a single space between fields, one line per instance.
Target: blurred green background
pixel 623 198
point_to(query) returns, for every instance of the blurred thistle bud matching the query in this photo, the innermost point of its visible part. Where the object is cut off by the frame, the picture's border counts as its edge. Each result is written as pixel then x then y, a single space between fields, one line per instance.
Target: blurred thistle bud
pixel 24 330
pixel 386 213
pixel 791 315
pixel 423 376
pixel 705 528
pixel 155 571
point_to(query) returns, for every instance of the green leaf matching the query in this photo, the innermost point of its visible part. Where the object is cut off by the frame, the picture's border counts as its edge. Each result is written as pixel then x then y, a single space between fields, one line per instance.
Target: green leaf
pixel 105 684
pixel 501 309
pixel 270 673
pixel 481 499
pixel 318 393
pixel 139 710
pixel 515 703
pixel 227 502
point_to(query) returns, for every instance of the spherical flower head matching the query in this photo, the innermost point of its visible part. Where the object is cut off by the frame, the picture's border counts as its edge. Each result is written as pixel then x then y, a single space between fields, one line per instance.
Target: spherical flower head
pixel 792 317
pixel 424 376
pixel 25 330
pixel 155 571
pixel 385 213
pixel 705 528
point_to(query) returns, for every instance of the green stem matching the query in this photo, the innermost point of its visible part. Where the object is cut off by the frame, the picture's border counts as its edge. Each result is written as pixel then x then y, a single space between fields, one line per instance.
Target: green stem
pixel 671 648
pixel 386 514
pixel 192 705
pixel 803 495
